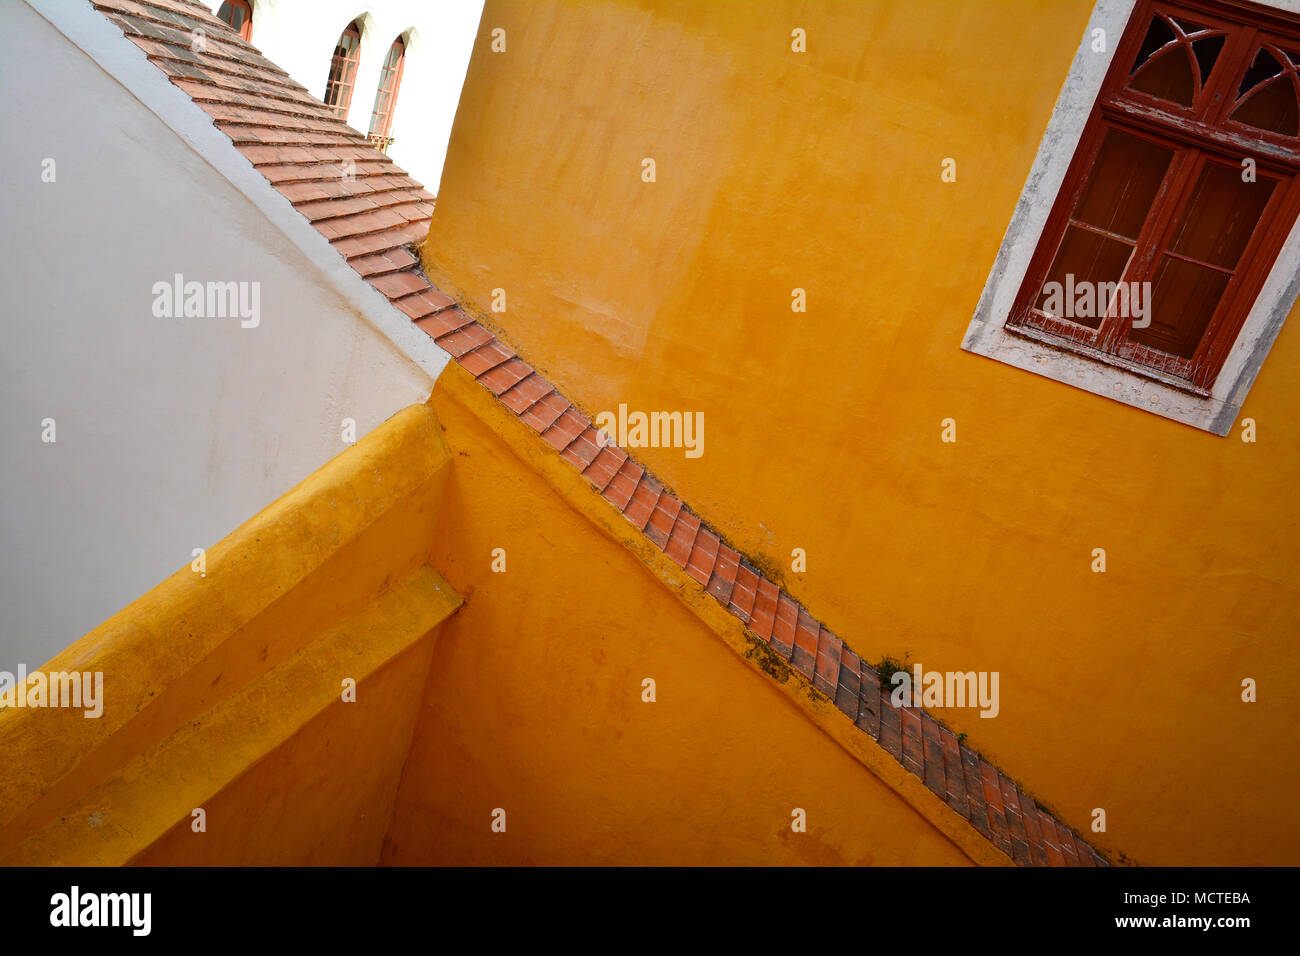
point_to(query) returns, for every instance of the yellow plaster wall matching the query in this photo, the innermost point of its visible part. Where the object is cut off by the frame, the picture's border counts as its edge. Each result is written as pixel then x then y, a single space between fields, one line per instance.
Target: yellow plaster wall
pixel 534 703
pixel 324 796
pixel 821 171
pixel 223 690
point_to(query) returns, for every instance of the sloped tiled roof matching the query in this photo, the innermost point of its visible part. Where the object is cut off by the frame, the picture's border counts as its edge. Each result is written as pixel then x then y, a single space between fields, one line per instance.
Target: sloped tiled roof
pixel 355 196
pixel 298 144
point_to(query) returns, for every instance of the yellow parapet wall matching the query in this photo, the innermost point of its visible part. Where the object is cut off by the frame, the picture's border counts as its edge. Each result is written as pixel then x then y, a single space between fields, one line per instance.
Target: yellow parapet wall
pixel 224 688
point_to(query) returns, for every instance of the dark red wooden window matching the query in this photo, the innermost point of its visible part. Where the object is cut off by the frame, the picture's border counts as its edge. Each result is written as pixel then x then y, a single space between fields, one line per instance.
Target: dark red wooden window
pixel 1184 178
pixel 390 78
pixel 343 70
pixel 239 15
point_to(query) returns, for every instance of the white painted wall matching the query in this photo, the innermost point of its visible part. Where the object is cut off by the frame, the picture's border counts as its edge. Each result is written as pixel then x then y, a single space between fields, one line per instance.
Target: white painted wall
pixel 170 432
pixel 300 35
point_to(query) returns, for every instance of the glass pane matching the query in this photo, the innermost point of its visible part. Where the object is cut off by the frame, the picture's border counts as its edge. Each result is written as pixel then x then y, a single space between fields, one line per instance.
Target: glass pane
pixel 1167 75
pixel 1123 183
pixel 1184 298
pixel 1207 52
pixel 1187 26
pixel 1221 216
pixel 1158 34
pixel 1263 68
pixel 1272 107
pixel 1084 257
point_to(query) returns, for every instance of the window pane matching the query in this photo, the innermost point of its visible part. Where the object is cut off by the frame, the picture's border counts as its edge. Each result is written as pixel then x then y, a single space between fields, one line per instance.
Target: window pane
pixel 1221 216
pixel 1207 52
pixel 1184 298
pixel 1272 108
pixel 1168 75
pixel 1123 184
pixel 1263 67
pixel 1158 34
pixel 1084 257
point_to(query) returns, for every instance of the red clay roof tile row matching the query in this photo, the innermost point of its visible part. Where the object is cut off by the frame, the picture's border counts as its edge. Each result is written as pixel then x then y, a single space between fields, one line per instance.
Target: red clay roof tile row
pixel 373 234
pixel 354 196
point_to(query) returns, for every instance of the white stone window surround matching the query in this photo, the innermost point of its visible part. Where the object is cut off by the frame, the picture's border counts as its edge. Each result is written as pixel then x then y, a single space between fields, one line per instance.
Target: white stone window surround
pixel 986 334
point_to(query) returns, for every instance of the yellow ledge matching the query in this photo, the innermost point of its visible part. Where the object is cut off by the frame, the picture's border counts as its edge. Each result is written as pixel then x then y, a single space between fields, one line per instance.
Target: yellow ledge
pixel 209 672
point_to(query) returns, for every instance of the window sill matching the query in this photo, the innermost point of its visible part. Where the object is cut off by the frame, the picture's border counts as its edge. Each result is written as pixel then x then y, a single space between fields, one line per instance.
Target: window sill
pixel 1044 354
pixel 1105 358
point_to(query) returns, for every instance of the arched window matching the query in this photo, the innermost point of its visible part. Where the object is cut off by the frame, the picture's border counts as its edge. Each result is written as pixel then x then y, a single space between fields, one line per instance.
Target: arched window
pixel 343 70
pixel 239 15
pixel 381 117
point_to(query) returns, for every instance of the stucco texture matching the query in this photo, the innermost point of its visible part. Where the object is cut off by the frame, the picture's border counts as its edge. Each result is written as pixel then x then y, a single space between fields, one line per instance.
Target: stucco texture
pixel 775 170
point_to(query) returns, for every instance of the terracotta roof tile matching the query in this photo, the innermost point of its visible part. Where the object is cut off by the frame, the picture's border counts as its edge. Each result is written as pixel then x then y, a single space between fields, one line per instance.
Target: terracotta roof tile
pixel 871 704
pixel 566 428
pixel 417 305
pixel 358 224
pixel 605 466
pixel 891 728
pixel 501 378
pixel 955 791
pixel 826 672
pixel 703 556
pixel 546 411
pixel 465 339
pixel 582 451
pixel 487 356
pixel 364 173
pixel 527 391
pixel 723 579
pixel 848 686
pixel 934 775
pixel 444 322
pixel 621 487
pixel 394 260
pixel 662 519
pixel 783 628
pixel 681 542
pixel 804 657
pixel 745 592
pixel 913 747
pixel 383 241
pixel 397 284
pixel 764 613
pixel 643 501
